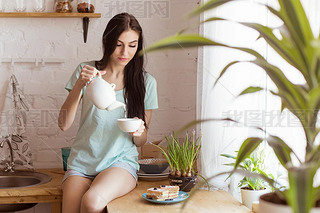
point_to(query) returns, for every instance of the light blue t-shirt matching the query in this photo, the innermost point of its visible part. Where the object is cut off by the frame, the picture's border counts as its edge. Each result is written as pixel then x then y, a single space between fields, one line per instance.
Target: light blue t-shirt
pixel 99 142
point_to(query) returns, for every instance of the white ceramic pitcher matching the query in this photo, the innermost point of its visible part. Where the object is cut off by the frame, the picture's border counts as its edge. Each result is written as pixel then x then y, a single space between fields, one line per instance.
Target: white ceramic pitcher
pixel 102 94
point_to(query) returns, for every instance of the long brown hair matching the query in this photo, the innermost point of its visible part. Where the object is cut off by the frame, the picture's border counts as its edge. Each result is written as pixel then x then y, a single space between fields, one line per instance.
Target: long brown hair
pixel 134 84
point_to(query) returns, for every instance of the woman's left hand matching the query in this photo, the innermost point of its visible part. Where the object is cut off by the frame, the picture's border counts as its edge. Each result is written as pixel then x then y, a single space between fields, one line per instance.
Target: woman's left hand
pixel 140 131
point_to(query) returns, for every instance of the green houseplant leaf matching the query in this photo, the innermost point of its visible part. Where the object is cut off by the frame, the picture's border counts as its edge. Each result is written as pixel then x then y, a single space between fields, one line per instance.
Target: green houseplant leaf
pixel 251 90
pixel 281 149
pixel 300 195
pixel 247 147
pixel 178 41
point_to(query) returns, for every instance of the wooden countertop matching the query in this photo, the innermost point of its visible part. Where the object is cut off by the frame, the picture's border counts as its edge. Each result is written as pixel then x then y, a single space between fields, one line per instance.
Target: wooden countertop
pixel 49 192
pixel 203 200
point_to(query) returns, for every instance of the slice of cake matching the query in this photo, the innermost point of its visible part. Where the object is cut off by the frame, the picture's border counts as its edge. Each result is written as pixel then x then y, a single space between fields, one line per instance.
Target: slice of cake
pixel 157 194
pixel 173 191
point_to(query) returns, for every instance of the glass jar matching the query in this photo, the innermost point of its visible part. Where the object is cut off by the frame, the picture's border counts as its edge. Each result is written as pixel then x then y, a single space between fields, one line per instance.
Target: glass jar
pixel 63 6
pixel 2 6
pixel 20 6
pixel 86 6
pixel 39 5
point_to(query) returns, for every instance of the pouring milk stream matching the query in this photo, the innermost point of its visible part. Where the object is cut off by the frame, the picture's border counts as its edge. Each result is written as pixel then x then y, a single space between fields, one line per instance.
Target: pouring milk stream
pixel 103 96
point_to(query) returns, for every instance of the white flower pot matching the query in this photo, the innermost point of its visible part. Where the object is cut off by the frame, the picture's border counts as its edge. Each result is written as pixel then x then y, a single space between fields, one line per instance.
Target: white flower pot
pixel 249 196
pixel 267 207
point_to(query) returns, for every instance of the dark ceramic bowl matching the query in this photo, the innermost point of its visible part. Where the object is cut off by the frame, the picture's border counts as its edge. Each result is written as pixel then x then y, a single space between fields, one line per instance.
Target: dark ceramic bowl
pixel 153 165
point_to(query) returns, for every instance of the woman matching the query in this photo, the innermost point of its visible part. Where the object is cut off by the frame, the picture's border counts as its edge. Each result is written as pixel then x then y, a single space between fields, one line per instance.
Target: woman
pixel 103 161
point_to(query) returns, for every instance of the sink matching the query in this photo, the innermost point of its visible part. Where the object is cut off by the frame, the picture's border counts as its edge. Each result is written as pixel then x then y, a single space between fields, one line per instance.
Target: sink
pixel 20 179
pixel 16 207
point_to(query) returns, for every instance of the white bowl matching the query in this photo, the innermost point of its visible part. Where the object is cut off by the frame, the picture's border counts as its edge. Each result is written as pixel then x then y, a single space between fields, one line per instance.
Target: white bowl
pixel 129 124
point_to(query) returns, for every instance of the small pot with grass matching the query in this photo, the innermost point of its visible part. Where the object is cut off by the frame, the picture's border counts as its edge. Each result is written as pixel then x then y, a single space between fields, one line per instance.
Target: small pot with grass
pixel 182 157
pixel 251 187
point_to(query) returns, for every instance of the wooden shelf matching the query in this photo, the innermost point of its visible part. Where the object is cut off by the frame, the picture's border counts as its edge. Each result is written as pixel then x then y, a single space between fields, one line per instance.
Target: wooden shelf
pixel 49 15
pixel 85 17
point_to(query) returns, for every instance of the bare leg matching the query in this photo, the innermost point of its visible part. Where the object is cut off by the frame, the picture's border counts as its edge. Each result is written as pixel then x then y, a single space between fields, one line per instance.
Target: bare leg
pixel 108 185
pixel 73 189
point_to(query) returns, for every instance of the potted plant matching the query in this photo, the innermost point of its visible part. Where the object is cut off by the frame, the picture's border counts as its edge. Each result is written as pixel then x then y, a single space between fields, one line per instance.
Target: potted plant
pixel 298 46
pixel 182 157
pixel 251 187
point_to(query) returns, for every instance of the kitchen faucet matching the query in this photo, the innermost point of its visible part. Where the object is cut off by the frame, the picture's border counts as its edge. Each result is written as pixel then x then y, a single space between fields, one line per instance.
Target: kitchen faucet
pixel 9 166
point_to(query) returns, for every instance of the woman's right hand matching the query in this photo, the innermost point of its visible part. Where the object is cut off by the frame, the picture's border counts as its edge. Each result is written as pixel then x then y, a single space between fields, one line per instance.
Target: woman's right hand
pixel 87 74
pixel 69 107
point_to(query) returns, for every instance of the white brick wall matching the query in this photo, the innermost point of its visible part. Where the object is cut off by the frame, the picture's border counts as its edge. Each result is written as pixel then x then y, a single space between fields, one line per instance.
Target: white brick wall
pixel 62 38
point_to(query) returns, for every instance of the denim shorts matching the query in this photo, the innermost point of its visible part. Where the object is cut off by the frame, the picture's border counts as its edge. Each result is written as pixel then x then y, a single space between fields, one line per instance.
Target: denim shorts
pixel 126 166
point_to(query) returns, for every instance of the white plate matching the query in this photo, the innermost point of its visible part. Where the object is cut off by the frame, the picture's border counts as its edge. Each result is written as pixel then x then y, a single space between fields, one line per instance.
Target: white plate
pixel 153 177
pixel 164 173
pixel 182 196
